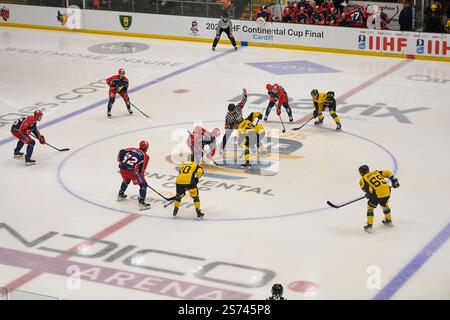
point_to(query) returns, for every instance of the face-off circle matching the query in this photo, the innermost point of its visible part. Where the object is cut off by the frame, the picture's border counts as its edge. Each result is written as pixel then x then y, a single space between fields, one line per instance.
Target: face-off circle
pixel 302 164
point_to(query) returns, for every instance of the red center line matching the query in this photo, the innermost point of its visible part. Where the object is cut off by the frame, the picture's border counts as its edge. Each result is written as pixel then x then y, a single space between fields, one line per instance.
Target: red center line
pixel 362 86
pixel 15 284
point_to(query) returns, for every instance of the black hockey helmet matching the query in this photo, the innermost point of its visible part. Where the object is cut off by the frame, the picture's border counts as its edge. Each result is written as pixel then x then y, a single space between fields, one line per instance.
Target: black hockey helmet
pixel 231 107
pixel 330 94
pixel 314 92
pixel 225 15
pixel 363 169
pixel 277 289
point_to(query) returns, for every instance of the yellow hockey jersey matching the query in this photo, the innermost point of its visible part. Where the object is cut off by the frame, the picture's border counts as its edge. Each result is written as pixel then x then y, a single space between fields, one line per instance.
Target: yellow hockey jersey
pixel 188 172
pixel 374 182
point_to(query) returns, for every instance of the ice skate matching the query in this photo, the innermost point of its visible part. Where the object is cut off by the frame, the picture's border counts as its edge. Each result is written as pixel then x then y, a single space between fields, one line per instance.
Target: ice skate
pixel 121 196
pixel 318 121
pixel 143 205
pixel 18 154
pixel 29 161
pixel 368 228
pixel 199 214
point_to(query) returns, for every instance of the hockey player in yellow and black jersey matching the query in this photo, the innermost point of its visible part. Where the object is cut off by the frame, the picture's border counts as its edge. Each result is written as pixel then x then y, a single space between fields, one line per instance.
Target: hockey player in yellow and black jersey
pixel 249 135
pixel 378 192
pixel 187 180
pixel 321 102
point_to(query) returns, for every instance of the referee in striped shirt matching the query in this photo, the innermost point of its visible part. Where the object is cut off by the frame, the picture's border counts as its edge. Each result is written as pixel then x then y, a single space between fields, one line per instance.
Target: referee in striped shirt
pixel 226 26
pixel 233 118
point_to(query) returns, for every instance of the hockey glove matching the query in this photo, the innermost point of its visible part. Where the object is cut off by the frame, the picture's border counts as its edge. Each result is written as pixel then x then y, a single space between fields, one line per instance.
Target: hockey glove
pixel 368 195
pixel 41 139
pixel 278 111
pixel 395 183
pixel 315 113
pixel 244 92
pixel 260 116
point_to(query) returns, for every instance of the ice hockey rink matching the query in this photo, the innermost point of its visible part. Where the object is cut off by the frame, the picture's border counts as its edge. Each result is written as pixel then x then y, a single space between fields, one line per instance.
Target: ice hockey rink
pixel 64 235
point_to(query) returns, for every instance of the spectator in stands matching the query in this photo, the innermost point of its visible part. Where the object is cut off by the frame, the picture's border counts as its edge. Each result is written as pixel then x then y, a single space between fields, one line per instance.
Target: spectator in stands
pixel 317 17
pixel 302 16
pixel 339 5
pixel 332 19
pixel 263 12
pixel 384 20
pixel 286 16
pixel 310 5
pixel 405 18
pixel 326 7
pixel 433 22
pixel 344 21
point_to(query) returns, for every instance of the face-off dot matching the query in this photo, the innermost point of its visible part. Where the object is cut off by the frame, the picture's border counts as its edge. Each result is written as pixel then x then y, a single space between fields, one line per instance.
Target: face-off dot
pixel 181 90
pixel 303 287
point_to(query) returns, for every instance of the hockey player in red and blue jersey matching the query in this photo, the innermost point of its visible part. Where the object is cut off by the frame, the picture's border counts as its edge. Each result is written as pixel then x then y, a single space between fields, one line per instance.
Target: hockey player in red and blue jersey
pixel 358 17
pixel 133 163
pixel 278 96
pixel 200 138
pixel 21 129
pixel 118 84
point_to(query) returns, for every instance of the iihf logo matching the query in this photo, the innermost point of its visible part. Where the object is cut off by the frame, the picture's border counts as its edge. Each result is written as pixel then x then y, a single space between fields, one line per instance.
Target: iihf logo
pixel 420 46
pixel 4 13
pixel 362 41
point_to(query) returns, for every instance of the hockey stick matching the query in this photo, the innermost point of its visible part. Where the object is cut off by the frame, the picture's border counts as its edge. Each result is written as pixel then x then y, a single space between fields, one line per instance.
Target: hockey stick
pixel 64 149
pixel 284 129
pixel 344 204
pixel 167 199
pixel 139 110
pixel 298 128
pixel 168 204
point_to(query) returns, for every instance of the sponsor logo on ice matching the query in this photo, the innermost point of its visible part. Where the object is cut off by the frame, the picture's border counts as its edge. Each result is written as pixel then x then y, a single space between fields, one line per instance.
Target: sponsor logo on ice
pixel 292 67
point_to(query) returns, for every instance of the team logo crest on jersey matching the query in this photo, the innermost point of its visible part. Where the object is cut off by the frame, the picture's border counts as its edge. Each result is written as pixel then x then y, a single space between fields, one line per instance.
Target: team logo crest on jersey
pixel 4 13
pixel 62 17
pixel 125 21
